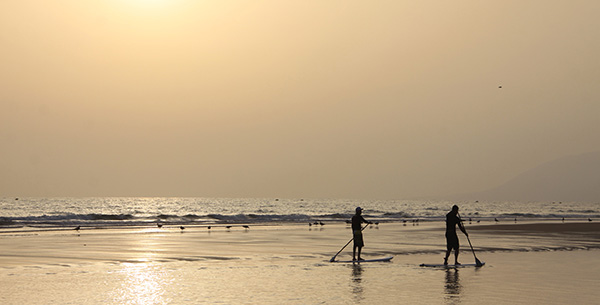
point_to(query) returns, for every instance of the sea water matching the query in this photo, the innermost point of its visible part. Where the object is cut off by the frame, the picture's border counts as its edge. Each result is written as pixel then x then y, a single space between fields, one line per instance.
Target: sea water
pixel 140 211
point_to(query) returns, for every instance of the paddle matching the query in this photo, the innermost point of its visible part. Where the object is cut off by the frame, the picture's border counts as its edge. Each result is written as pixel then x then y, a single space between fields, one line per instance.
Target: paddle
pixel 478 263
pixel 342 249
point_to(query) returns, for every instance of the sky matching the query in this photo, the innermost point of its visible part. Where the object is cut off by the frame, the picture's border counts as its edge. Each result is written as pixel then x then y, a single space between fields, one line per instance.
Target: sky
pixel 292 99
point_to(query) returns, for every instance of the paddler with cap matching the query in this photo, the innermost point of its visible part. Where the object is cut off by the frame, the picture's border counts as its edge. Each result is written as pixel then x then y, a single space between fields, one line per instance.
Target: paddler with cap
pixel 357 221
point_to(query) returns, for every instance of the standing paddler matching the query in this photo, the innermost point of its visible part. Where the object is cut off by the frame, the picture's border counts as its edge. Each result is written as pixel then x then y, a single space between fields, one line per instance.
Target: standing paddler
pixel 452 220
pixel 357 221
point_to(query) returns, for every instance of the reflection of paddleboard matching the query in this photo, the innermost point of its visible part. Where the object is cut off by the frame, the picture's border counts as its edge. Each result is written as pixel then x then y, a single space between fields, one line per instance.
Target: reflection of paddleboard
pixel 383 259
pixel 452 266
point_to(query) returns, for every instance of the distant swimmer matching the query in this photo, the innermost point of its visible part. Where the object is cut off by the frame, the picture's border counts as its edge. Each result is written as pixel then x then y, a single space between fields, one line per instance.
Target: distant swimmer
pixel 357 221
pixel 452 220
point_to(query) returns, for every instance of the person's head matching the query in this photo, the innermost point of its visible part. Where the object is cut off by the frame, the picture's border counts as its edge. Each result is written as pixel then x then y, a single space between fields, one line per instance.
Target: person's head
pixel 455 209
pixel 358 210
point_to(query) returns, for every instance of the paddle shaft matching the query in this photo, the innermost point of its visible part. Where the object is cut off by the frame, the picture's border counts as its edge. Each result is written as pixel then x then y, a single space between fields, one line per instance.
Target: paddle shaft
pixel 344 247
pixel 473 250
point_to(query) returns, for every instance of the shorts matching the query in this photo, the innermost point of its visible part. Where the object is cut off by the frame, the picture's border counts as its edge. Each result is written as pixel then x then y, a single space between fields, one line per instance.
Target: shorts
pixel 452 241
pixel 358 239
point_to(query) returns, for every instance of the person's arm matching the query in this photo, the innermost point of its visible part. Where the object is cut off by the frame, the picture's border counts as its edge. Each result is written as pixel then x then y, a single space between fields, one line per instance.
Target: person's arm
pixel 365 221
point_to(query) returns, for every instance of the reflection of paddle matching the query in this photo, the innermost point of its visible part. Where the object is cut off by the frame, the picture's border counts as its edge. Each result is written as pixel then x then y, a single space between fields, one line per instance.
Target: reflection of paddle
pixel 478 263
pixel 342 249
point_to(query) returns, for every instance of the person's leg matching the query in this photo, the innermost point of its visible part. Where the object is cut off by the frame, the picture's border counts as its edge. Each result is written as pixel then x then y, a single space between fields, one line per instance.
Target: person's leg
pixel 456 256
pixel 354 253
pixel 359 250
pixel 447 255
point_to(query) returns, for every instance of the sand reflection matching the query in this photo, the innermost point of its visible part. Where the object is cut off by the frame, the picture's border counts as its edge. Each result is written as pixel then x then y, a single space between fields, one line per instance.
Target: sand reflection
pixel 143 283
pixel 356 284
pixel 143 280
pixel 453 287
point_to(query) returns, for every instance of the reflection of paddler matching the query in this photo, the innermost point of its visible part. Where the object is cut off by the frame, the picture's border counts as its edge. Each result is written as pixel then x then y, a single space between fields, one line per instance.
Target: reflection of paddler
pixel 357 220
pixel 452 220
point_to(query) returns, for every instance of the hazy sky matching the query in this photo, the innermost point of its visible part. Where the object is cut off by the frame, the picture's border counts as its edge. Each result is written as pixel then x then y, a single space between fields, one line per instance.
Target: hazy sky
pixel 295 98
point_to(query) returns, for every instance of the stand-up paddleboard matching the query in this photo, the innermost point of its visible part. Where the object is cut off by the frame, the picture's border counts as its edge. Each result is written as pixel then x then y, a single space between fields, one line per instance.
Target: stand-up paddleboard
pixel 452 266
pixel 383 259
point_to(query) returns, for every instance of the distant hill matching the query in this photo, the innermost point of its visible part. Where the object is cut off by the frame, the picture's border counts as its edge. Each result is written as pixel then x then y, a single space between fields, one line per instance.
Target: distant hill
pixel 571 178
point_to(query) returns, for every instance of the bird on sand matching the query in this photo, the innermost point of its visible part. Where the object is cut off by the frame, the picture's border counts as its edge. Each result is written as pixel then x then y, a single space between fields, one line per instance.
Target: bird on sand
pixel 79 227
pixel 228 227
pixel 159 225
pixel 182 228
pixel 246 227
pixel 208 227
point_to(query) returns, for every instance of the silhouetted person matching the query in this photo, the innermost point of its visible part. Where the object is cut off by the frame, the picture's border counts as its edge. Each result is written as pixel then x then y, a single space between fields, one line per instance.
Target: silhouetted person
pixel 357 221
pixel 452 220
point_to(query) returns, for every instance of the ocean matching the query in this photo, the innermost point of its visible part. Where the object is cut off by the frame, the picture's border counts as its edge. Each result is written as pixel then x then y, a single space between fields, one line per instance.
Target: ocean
pixel 142 211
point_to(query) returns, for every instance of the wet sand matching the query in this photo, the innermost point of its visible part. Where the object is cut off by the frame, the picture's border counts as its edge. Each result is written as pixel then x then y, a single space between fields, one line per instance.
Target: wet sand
pixel 549 262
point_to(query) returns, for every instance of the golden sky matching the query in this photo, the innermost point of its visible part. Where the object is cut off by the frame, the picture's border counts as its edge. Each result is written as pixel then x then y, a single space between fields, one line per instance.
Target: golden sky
pixel 298 98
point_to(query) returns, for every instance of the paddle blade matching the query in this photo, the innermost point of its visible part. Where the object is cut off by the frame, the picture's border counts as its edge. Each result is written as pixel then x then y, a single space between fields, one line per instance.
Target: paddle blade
pixel 478 263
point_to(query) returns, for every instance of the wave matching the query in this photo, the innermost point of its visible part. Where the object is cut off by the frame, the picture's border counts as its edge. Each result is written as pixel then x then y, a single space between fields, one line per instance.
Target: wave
pixel 59 219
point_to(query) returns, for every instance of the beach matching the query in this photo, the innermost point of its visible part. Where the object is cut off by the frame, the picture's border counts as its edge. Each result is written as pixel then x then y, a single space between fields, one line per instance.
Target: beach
pixel 537 262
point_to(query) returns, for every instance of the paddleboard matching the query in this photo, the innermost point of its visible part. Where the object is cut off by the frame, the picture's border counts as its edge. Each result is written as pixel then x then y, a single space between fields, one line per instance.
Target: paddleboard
pixel 451 266
pixel 383 259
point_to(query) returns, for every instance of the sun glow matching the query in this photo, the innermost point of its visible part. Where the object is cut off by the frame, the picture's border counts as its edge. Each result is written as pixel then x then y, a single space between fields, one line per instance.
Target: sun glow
pixel 151 4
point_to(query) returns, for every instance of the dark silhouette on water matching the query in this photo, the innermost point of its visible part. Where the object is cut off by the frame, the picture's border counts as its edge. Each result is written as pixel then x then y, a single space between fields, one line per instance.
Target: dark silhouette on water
pixel 452 220
pixel 357 221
